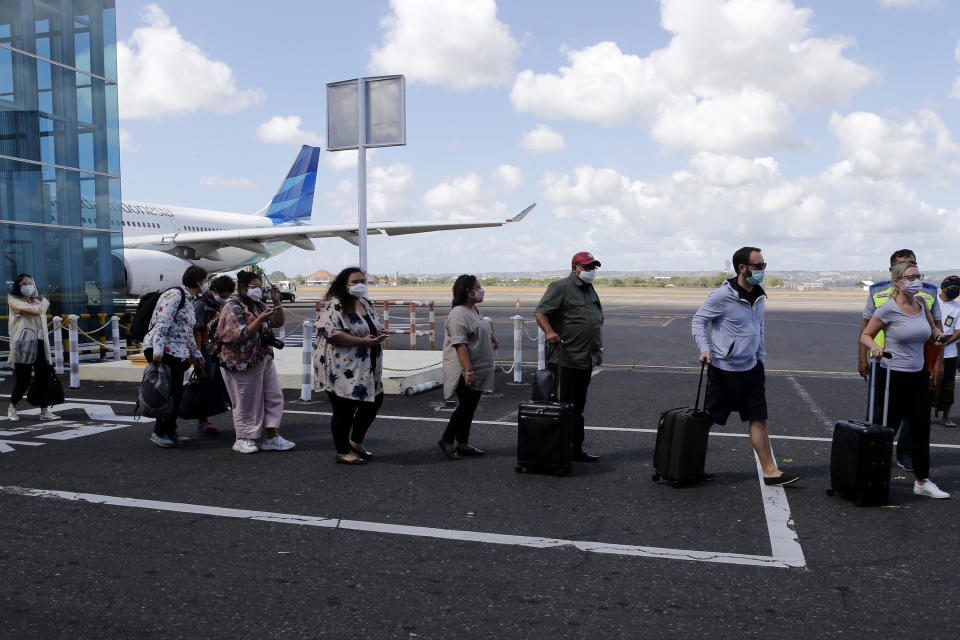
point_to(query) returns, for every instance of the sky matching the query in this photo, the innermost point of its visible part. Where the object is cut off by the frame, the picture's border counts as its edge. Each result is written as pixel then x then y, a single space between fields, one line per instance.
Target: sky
pixel 657 135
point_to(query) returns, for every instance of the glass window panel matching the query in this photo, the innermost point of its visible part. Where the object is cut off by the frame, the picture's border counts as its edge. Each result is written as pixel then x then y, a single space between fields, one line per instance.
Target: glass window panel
pixel 64 265
pixel 6 75
pixel 20 191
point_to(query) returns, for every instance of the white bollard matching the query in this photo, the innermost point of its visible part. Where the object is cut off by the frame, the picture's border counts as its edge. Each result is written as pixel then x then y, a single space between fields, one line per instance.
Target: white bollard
pixel 541 350
pixel 306 385
pixel 115 330
pixel 58 345
pixel 74 354
pixel 517 348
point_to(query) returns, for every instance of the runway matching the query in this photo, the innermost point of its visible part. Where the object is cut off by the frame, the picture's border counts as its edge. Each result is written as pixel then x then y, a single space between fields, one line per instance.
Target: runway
pixel 108 536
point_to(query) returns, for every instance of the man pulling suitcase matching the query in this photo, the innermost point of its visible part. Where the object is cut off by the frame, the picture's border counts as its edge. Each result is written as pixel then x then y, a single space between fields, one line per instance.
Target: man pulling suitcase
pixel 735 378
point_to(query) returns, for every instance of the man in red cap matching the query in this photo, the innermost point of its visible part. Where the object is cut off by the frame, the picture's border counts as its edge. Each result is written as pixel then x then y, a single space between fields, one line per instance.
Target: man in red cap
pixel 570 311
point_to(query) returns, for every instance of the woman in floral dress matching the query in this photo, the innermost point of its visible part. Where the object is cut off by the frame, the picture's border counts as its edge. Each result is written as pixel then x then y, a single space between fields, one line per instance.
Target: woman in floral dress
pixel 348 361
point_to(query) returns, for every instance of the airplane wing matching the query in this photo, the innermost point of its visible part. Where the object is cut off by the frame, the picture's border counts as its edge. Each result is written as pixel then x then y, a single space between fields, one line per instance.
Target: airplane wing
pixel 206 243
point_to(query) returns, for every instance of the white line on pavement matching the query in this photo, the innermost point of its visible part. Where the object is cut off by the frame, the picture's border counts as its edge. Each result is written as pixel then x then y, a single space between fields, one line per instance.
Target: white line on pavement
pixel 811 404
pixel 424 532
pixel 784 542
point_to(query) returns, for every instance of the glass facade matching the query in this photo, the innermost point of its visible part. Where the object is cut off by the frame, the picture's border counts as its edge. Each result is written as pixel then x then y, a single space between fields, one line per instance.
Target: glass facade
pixel 60 153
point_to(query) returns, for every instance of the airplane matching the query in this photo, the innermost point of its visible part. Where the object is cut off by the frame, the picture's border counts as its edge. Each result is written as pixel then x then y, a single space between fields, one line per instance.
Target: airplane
pixel 161 241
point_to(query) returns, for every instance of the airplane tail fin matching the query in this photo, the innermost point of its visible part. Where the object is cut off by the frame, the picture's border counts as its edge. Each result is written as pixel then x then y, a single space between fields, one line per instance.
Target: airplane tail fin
pixel 293 202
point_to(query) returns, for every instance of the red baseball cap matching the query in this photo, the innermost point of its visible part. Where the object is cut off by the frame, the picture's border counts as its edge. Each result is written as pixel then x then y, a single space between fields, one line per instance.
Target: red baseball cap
pixel 584 257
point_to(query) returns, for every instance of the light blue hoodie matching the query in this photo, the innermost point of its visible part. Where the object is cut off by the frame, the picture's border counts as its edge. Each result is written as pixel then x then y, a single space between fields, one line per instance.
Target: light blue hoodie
pixel 736 329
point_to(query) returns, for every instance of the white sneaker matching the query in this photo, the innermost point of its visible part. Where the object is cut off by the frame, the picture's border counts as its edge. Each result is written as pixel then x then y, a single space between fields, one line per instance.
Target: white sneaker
pixel 929 489
pixel 277 444
pixel 12 415
pixel 245 446
pixel 47 415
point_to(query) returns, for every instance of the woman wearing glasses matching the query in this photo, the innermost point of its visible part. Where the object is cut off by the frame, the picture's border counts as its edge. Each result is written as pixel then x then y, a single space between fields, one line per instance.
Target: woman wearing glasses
pixel 907 325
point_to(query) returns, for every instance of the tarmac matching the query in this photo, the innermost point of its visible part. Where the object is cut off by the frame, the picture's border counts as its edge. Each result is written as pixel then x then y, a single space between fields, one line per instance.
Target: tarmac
pixel 107 536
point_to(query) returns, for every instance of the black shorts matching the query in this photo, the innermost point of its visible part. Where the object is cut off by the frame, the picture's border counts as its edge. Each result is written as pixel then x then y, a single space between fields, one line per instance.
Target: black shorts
pixel 743 391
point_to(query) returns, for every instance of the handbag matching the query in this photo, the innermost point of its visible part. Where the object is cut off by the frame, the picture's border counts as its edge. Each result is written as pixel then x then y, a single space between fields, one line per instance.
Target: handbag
pixel 45 389
pixel 202 397
pixel 155 397
pixel 25 351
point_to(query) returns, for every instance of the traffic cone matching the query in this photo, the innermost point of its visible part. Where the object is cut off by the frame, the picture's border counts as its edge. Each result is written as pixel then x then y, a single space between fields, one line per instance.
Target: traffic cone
pixel 518 303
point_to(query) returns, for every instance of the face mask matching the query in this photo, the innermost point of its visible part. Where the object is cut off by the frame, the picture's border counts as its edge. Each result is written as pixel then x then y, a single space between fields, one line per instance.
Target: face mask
pixel 358 290
pixel 912 287
pixel 255 294
pixel 477 295
pixel 219 299
pixel 951 292
pixel 588 276
pixel 205 287
pixel 756 277
pixel 28 290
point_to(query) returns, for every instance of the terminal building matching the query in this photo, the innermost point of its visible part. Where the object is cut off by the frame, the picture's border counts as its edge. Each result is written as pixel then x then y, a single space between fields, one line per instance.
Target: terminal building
pixel 60 218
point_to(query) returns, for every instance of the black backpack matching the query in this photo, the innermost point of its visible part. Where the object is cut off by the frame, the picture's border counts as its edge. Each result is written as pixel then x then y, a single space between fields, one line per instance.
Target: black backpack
pixel 144 313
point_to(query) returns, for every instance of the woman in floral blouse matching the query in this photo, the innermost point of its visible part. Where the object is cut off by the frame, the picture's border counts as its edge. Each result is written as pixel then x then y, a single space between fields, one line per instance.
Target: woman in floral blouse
pixel 348 361
pixel 170 340
pixel 247 366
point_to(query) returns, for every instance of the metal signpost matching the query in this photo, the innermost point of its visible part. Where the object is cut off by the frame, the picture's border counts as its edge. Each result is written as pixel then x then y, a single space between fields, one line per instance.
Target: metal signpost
pixel 362 113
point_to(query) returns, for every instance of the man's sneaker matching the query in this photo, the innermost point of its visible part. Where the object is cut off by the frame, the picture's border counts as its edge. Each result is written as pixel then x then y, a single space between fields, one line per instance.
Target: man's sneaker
pixel 244 445
pixel 276 444
pixel 781 480
pixel 12 414
pixel 207 429
pixel 47 415
pixel 161 441
pixel 906 462
pixel 929 489
pixel 177 438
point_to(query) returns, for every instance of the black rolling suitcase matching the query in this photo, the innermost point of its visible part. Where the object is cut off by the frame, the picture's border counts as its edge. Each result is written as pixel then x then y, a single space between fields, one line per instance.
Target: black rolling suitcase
pixel 681 450
pixel 861 452
pixel 544 431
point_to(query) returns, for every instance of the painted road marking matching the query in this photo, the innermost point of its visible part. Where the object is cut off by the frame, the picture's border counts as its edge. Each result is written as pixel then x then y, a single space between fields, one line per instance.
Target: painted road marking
pixel 6 445
pixel 784 541
pixel 780 541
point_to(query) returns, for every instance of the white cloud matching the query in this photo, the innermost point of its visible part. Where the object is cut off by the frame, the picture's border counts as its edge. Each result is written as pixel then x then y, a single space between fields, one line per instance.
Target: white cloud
pixel 880 147
pixel 225 182
pixel 160 74
pixel 543 139
pixel 510 176
pixel 463 198
pixel 730 171
pixel 388 190
pixel 286 130
pixel 745 66
pixel 956 83
pixel 454 42
pixel 343 160
pixel 126 142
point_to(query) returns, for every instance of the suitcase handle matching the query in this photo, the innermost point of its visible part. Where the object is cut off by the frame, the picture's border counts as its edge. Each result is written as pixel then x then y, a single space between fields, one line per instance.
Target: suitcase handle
pixel 696 403
pixel 874 365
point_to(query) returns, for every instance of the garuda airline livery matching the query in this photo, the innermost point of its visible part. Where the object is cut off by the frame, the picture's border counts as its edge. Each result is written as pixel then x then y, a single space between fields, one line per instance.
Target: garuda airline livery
pixel 160 241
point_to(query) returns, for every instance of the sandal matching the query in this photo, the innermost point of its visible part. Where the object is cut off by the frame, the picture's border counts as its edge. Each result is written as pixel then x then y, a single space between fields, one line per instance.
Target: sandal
pixel 448 449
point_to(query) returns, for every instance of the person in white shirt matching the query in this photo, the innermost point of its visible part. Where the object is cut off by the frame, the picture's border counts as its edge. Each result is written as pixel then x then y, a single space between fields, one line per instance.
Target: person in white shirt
pixel 949 290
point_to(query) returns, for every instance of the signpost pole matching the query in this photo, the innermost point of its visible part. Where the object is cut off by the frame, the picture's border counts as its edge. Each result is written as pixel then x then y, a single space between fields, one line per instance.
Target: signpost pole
pixel 362 172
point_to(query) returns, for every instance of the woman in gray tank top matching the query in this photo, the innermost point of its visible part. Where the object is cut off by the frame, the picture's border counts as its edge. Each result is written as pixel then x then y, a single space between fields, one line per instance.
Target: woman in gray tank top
pixel 907 325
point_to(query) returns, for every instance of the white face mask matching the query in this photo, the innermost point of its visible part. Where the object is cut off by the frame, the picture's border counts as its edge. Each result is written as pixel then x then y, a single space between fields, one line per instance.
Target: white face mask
pixel 205 287
pixel 255 293
pixel 588 276
pixel 219 299
pixel 477 295
pixel 358 290
pixel 28 290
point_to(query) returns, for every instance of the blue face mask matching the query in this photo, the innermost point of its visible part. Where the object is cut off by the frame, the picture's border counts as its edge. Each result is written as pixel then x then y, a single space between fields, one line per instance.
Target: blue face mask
pixel 756 277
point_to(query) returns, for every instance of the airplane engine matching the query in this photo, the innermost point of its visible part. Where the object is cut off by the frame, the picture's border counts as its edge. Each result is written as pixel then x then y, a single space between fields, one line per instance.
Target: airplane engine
pixel 152 271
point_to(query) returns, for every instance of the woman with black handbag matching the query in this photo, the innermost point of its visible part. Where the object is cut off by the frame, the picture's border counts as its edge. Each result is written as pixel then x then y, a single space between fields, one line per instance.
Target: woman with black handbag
pixel 28 351
pixel 246 361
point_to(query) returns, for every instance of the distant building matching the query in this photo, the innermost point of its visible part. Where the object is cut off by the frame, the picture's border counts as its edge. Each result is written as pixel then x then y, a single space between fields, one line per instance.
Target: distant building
pixel 320 278
pixel 866 284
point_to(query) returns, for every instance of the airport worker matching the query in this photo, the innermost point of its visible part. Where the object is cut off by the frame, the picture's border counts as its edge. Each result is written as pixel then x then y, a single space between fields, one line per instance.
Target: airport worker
pixel 735 352
pixel 27 326
pixel 950 307
pixel 571 317
pixel 878 294
pixel 468 346
pixel 170 340
pixel 207 309
pixel 907 324
pixel 246 362
pixel 348 363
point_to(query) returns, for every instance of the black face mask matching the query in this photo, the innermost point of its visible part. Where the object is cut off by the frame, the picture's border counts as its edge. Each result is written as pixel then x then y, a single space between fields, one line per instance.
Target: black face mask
pixel 951 292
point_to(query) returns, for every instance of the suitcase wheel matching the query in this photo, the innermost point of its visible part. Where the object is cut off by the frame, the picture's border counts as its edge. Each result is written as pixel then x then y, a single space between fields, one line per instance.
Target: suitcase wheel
pixel 831 492
pixel 656 477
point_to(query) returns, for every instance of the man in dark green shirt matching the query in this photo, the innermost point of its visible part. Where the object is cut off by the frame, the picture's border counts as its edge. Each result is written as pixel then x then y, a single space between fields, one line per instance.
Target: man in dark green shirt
pixel 570 311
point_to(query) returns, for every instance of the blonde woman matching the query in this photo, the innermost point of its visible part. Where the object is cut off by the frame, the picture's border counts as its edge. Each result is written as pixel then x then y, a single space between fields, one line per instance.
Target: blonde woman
pixel 907 324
